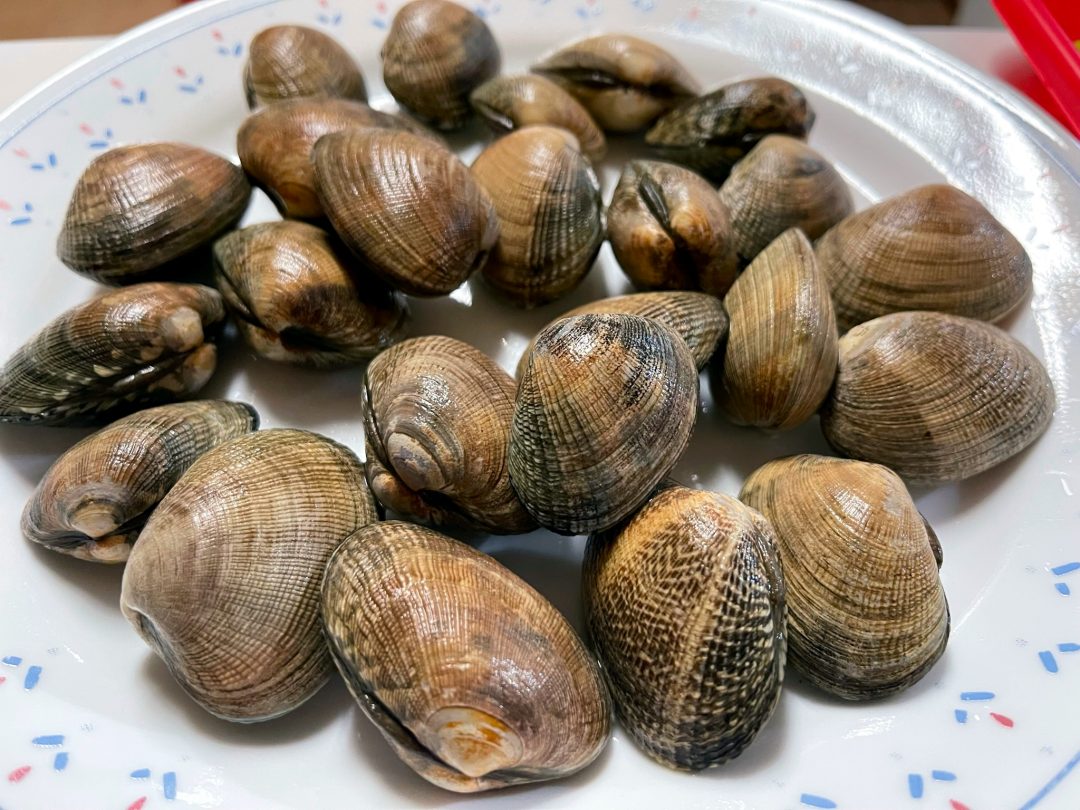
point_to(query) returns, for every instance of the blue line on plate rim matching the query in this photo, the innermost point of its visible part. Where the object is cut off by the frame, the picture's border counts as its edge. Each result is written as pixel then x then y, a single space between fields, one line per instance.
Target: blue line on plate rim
pixel 1055 780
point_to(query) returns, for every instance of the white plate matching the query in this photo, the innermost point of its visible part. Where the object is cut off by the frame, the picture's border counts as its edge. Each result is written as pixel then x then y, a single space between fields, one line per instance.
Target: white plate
pixel 90 719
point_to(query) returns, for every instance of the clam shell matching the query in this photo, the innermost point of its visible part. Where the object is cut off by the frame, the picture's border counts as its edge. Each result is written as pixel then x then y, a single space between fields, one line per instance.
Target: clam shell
pixel 932 248
pixel 299 297
pixel 782 184
pixel 714 131
pixel 604 410
pixel 697 317
pixel 93 501
pixel 435 53
pixel 437 429
pixel 293 61
pixel 670 230
pixel 962 396
pixel 275 143
pixel 780 357
pixel 407 206
pixel 135 208
pixel 623 81
pixel 137 346
pixel 867 615
pixel 224 581
pixel 507 103
pixel 475 680
pixel 550 214
pixel 685 607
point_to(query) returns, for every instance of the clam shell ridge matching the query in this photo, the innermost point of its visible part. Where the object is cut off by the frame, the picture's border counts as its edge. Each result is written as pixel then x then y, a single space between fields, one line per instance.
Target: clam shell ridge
pixel 407 206
pixel 669 229
pixel 963 396
pixel 135 208
pixel 139 345
pixel 685 607
pixel 224 581
pixel 300 297
pixel 292 61
pixel 699 318
pixel 867 616
pixel 782 184
pixel 437 427
pixel 507 103
pixel 604 410
pixel 93 501
pixel 275 143
pixel 435 53
pixel 781 353
pixel 932 248
pixel 550 213
pixel 475 680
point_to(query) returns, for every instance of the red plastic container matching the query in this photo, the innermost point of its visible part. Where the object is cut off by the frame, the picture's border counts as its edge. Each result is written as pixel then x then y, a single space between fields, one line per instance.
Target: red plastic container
pixel 1049 32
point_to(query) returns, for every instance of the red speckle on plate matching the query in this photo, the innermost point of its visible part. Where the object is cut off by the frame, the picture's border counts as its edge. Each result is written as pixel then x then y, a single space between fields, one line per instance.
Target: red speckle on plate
pixel 119 85
pixel 955 805
pixel 180 71
pixel 6 207
pixel 18 774
pixel 22 153
pixel 1005 721
pixel 87 129
pixel 137 804
pixel 217 35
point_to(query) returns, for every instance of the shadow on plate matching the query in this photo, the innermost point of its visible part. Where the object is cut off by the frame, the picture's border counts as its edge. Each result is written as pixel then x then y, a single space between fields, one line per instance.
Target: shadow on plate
pixel 99 581
pixel 31 450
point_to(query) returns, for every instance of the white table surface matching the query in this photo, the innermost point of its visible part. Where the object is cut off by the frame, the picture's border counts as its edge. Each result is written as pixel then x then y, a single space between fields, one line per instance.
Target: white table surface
pixel 24 64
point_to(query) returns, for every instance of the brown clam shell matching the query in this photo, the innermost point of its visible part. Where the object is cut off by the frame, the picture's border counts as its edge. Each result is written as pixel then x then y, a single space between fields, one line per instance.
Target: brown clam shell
pixel 293 61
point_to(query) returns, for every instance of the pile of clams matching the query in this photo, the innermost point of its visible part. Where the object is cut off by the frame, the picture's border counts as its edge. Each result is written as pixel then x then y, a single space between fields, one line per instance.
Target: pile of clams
pixel 258 562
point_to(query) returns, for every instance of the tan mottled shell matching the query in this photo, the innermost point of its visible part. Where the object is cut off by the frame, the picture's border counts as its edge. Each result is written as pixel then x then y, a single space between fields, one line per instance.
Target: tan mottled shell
pixel 407 206
pixel 604 410
pixel 435 53
pixel 623 81
pixel 137 346
pixel 293 61
pixel 781 351
pixel 932 248
pixel 437 429
pixel 670 230
pixel 867 615
pixel 475 680
pixel 507 103
pixel 685 607
pixel 275 143
pixel 224 581
pixel 962 396
pixel 714 131
pixel 299 297
pixel 782 184
pixel 135 208
pixel 93 501
pixel 550 214
pixel 697 317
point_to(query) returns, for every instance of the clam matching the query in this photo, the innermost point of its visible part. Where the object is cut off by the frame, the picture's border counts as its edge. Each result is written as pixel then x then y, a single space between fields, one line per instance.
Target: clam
pixel 94 499
pixel 623 81
pixel 604 410
pixel 670 230
pixel 474 679
pixel 132 347
pixel 407 206
pixel 782 184
pixel 550 214
pixel 698 318
pixel 961 395
pixel 275 145
pixel 299 297
pixel 224 581
pixel 712 132
pixel 932 248
pixel 867 615
pixel 135 208
pixel 780 357
pixel 435 53
pixel 293 61
pixel 685 607
pixel 437 425
pixel 507 103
